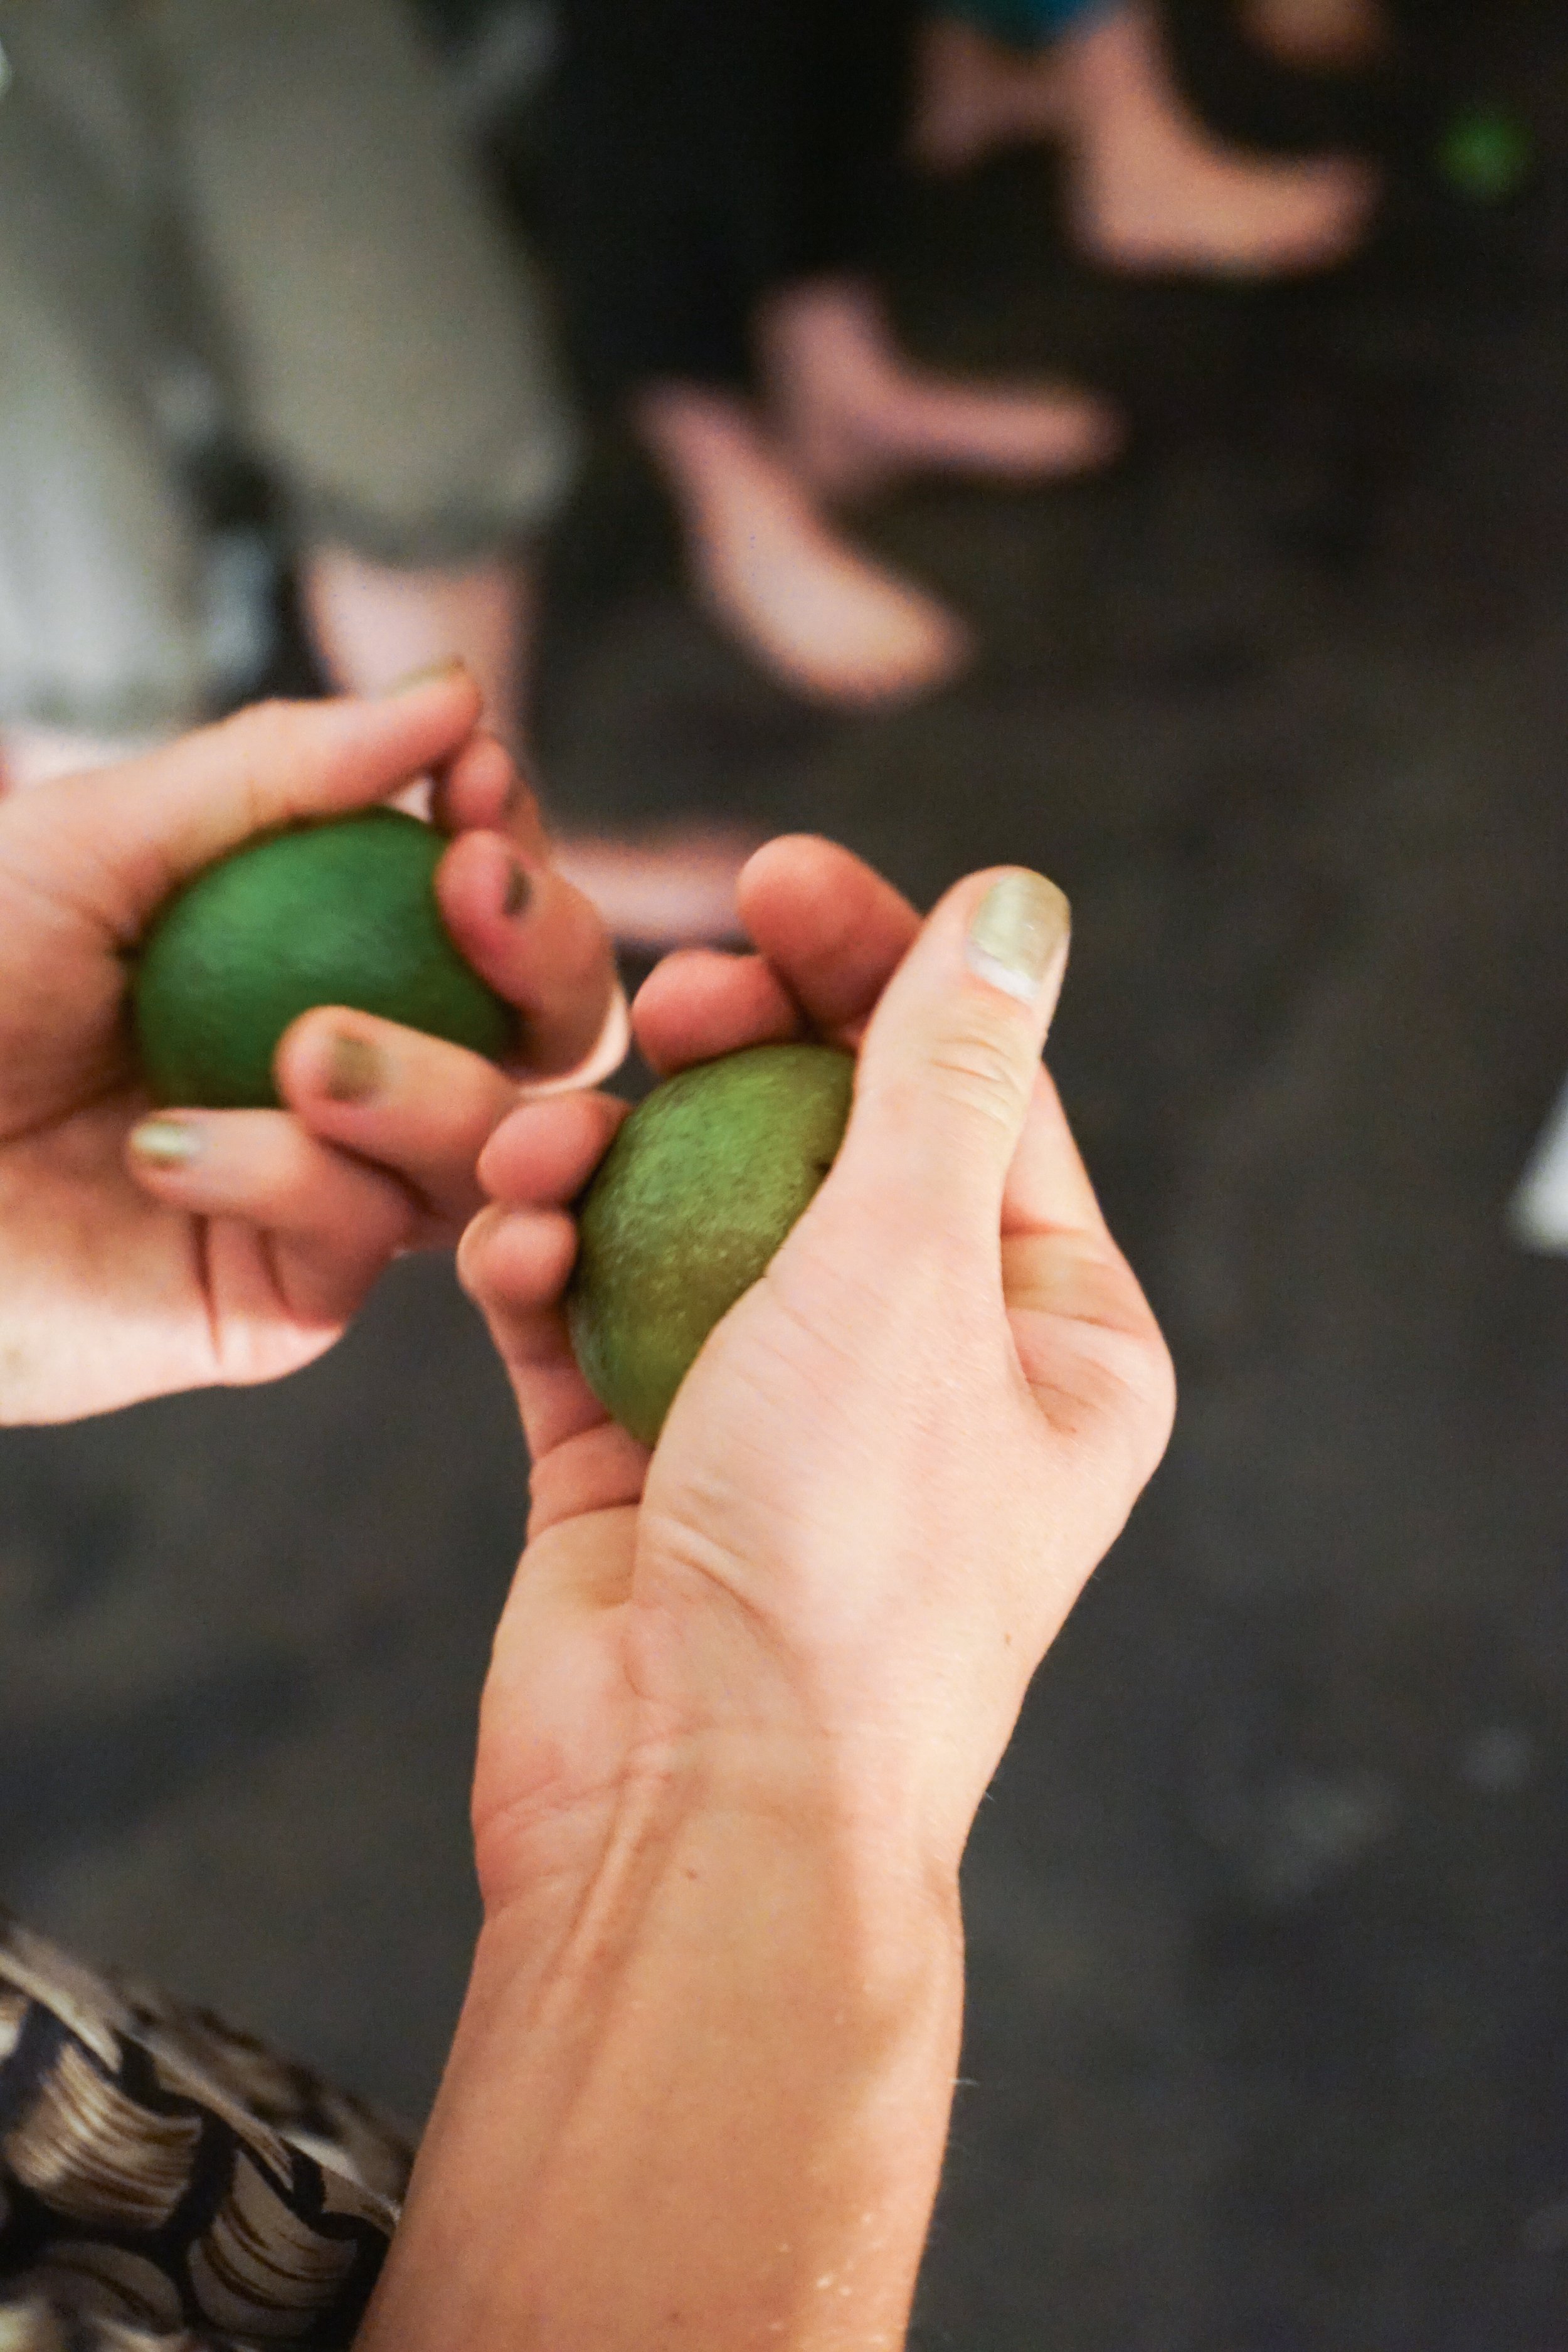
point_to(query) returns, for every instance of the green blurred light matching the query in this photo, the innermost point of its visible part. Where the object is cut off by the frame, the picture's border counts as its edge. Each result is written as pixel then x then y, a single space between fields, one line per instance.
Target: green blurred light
pixel 1486 153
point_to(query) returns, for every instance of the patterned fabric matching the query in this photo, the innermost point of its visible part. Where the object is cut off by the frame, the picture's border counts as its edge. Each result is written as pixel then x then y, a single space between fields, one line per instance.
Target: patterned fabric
pixel 169 2185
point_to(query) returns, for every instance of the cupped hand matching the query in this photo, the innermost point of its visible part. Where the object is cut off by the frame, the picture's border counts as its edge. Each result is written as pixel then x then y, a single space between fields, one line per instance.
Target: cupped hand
pixel 144 1253
pixel 898 1458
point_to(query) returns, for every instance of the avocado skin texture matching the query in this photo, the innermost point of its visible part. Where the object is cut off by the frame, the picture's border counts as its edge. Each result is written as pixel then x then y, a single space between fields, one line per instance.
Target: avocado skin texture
pixel 340 913
pixel 686 1209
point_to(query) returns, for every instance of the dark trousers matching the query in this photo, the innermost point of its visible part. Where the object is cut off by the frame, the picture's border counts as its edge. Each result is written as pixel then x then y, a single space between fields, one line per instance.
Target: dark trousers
pixel 704 154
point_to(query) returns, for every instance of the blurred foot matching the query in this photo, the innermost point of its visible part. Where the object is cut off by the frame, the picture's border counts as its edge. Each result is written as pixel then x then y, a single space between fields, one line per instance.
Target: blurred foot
pixel 855 414
pixel 826 620
pixel 1320 36
pixel 975 93
pixel 659 890
pixel 1151 190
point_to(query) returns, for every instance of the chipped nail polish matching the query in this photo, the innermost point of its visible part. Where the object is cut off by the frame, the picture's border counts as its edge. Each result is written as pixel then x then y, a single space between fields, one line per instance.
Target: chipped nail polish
pixel 165 1143
pixel 1016 932
pixel 356 1069
pixel 426 675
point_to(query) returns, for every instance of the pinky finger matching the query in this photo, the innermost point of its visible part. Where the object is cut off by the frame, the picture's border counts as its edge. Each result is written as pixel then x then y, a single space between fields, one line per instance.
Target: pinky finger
pixel 515 1265
pixel 332 1222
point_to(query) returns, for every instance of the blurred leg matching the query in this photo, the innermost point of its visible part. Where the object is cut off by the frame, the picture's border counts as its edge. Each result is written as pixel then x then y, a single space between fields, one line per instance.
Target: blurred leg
pixel 101 641
pixel 384 348
pixel 390 358
pixel 373 624
pixel 699 165
pixel 977 90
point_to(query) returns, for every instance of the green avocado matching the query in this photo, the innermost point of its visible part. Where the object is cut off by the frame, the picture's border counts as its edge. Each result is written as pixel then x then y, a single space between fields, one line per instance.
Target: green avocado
pixel 339 913
pixel 686 1209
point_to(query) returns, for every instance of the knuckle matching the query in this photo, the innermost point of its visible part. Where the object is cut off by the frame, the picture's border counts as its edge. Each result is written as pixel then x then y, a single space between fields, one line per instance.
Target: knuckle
pixel 265 741
pixel 1118 1396
pixel 269 725
pixel 976 1066
pixel 1146 1408
pixel 474 1248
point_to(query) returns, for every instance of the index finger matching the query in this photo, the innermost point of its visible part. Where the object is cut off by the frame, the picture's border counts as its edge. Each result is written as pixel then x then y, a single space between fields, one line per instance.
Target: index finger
pixel 830 934
pixel 833 929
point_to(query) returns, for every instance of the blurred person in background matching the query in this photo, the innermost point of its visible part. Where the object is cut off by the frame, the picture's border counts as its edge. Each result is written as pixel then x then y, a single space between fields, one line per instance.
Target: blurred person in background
pixel 1149 187
pixel 719 178
pixel 253 218
pixel 745 1697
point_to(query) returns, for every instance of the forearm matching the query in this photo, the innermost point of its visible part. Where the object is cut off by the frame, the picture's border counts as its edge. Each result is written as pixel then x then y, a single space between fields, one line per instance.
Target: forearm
pixel 706 2111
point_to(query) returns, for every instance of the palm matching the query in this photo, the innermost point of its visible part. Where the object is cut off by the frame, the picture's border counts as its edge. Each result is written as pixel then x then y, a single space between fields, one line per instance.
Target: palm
pixel 558 1724
pixel 634 1560
pixel 828 1396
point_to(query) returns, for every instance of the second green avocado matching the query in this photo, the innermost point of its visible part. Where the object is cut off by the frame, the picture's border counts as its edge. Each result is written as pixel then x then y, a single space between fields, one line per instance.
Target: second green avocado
pixel 339 913
pixel 688 1206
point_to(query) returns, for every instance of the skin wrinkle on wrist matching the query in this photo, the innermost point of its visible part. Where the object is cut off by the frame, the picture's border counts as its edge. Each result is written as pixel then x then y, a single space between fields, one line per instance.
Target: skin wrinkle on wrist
pixel 874 1822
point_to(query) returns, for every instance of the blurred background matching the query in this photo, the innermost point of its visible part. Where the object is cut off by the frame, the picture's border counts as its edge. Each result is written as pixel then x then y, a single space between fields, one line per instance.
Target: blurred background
pixel 1267 2044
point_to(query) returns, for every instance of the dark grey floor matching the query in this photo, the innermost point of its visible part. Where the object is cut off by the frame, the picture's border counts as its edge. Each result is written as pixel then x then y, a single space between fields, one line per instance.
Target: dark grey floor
pixel 1269 2039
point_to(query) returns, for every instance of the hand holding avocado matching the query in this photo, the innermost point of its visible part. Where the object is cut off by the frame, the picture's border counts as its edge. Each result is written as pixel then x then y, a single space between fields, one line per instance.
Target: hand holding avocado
pixel 749 1688
pixel 896 1455
pixel 143 1250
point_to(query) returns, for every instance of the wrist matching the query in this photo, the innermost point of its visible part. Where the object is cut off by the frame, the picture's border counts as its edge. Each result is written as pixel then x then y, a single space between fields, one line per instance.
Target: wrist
pixel 713 2076
pixel 760 1802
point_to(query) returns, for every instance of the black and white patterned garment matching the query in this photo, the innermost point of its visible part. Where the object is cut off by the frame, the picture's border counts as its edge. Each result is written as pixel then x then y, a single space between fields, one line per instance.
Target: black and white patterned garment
pixel 168 2185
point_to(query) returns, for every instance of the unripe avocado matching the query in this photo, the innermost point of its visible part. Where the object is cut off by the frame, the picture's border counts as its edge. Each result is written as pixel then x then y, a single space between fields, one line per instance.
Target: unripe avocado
pixel 339 913
pixel 686 1209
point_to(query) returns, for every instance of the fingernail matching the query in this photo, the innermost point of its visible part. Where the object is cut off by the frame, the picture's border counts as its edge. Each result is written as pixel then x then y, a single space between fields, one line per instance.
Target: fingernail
pixel 518 890
pixel 166 1142
pixel 356 1069
pixel 1016 933
pixel 425 675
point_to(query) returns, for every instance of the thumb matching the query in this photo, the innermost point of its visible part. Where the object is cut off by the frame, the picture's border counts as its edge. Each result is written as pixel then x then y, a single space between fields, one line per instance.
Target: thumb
pixel 132 833
pixel 949 1062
